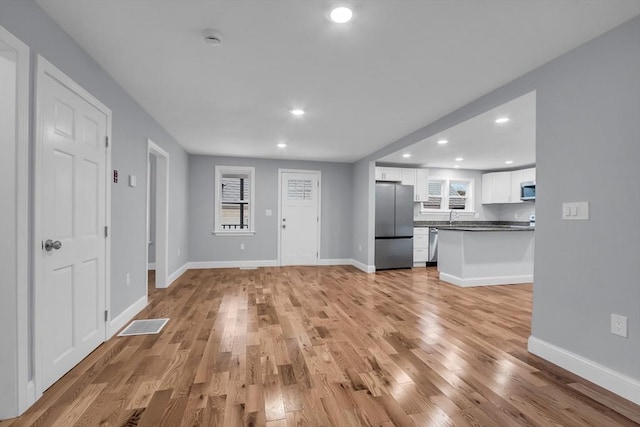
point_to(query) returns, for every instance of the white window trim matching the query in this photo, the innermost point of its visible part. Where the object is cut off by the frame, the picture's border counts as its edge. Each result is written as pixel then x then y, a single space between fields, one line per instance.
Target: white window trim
pixel 219 171
pixel 445 196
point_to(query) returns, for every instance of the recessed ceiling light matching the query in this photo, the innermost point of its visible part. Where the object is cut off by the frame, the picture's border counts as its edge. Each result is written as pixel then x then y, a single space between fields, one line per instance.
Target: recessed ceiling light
pixel 406 155
pixel 459 159
pixel 442 141
pixel 508 162
pixel 297 112
pixel 502 120
pixel 341 14
pixel 282 145
pixel 456 166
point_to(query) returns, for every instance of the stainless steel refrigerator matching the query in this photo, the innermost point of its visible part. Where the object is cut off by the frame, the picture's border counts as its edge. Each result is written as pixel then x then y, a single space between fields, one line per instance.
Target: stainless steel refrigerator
pixel 394 226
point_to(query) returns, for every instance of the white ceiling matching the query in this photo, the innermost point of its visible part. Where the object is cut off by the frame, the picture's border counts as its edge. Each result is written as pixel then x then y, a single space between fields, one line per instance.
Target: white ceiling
pixel 397 66
pixel 482 143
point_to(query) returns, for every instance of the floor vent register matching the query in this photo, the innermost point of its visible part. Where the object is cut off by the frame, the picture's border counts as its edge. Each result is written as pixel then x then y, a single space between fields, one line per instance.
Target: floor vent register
pixel 144 327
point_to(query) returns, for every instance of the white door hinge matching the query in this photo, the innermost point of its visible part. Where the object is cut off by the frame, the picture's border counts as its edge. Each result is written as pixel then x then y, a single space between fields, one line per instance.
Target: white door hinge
pixel 106 141
pixel 106 231
pixel 106 315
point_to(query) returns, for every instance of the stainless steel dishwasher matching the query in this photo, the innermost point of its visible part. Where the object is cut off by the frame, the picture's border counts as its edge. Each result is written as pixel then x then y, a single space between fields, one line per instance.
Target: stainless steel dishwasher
pixel 433 246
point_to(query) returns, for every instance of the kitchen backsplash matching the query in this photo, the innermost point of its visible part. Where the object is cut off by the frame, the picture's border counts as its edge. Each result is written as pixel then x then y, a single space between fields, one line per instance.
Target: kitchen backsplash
pixel 498 212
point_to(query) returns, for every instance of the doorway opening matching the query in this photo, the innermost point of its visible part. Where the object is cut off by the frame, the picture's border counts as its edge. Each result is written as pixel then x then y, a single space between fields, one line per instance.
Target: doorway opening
pixel 157 215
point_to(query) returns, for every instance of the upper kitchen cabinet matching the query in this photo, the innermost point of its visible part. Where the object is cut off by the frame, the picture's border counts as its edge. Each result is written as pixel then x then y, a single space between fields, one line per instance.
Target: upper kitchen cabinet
pixel 504 187
pixel 420 190
pixel 417 178
pixel 388 174
pixel 496 187
pixel 408 176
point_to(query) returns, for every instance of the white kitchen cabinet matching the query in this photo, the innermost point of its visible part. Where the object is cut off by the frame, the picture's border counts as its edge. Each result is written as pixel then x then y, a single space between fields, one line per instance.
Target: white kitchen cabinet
pixel 504 187
pixel 420 191
pixel 529 174
pixel 417 178
pixel 408 176
pixel 420 246
pixel 388 174
pixel 496 187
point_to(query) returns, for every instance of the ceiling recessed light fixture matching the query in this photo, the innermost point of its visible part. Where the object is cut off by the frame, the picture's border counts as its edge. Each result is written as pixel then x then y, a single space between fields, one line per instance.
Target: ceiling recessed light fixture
pixel 297 112
pixel 282 145
pixel 459 159
pixel 502 120
pixel 442 141
pixel 341 15
pixel 406 155
pixel 508 162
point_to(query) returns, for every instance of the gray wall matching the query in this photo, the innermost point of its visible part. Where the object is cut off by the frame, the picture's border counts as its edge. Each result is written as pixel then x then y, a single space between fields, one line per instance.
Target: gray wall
pixel 363 212
pixel 130 129
pixel 336 210
pixel 588 149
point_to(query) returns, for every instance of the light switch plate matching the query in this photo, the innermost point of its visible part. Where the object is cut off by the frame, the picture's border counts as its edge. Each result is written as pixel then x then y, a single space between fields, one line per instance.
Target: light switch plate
pixel 268 212
pixel 575 210
pixel 132 181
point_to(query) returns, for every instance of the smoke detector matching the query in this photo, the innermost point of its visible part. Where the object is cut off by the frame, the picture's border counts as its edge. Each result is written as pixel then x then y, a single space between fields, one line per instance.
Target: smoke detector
pixel 212 37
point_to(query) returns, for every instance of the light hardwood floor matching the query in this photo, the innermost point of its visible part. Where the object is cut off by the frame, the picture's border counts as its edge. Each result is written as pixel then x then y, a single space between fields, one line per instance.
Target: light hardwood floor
pixel 327 346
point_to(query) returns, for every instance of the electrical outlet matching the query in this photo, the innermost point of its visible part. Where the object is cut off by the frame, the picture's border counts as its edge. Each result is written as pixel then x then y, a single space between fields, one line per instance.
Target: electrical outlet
pixel 242 246
pixel 128 278
pixel 619 325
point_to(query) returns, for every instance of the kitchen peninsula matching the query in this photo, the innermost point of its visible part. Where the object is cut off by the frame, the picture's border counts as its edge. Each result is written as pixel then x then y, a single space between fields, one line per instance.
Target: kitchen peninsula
pixel 485 255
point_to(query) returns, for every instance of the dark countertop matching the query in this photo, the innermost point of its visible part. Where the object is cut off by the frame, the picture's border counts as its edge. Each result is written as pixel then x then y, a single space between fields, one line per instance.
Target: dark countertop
pixel 487 228
pixel 477 225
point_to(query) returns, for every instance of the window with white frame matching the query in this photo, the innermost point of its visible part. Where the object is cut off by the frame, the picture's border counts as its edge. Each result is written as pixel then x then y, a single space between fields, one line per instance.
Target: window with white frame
pixel 449 194
pixel 234 200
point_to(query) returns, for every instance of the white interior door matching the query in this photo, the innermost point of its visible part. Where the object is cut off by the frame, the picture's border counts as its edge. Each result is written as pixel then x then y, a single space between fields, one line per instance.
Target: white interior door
pixel 71 205
pixel 299 218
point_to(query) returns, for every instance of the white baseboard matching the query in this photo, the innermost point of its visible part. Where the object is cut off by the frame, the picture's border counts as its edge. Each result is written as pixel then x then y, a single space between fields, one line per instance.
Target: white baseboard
pixel 151 266
pixel 176 274
pixel 620 384
pixel 339 261
pixel 485 281
pixel 274 263
pixel 123 318
pixel 364 267
pixel 232 264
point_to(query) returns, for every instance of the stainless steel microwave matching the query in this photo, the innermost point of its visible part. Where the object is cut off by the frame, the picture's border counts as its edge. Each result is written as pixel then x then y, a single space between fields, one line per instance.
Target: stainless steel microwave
pixel 528 191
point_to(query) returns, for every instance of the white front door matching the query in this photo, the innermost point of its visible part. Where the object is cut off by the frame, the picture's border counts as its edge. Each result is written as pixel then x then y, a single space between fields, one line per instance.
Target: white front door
pixel 71 205
pixel 299 218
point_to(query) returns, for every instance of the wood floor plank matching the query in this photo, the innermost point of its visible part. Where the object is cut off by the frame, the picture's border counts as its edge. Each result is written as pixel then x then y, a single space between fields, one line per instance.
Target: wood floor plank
pixel 329 346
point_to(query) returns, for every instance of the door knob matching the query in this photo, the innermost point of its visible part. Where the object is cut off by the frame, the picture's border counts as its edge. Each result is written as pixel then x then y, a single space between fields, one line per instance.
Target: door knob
pixel 284 225
pixel 49 245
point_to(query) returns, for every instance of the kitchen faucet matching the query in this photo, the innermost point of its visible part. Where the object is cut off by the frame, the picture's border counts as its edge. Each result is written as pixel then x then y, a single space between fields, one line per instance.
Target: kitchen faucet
pixel 452 215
